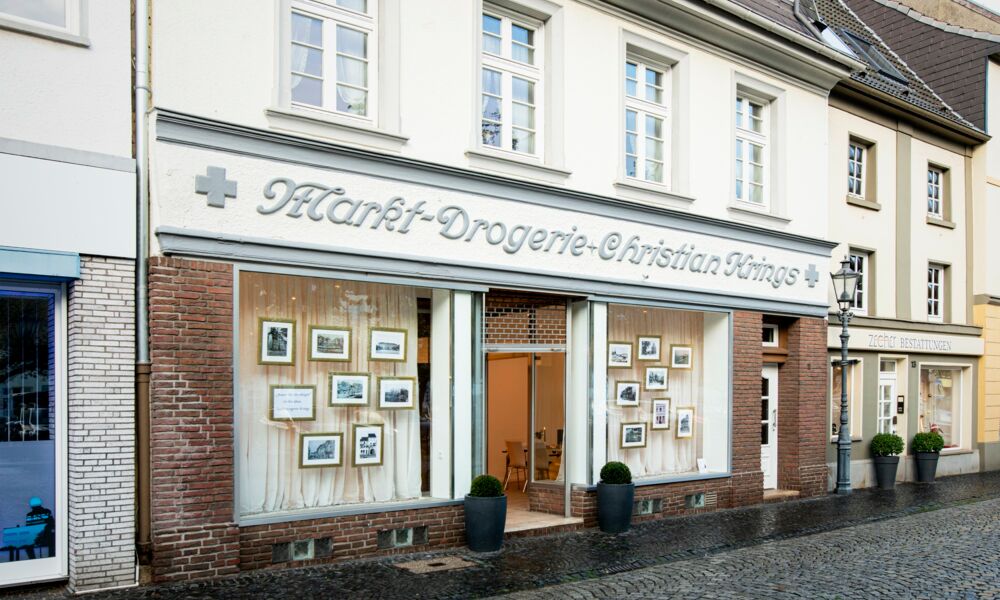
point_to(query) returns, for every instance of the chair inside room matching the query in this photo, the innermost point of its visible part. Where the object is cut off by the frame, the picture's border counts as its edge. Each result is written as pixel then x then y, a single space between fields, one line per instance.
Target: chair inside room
pixel 516 464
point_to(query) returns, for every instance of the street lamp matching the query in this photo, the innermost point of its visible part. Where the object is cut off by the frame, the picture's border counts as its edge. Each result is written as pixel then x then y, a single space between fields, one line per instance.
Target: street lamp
pixel 845 285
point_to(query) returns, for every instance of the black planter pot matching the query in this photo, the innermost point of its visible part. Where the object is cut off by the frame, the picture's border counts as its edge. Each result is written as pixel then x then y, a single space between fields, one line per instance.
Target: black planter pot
pixel 885 471
pixel 484 522
pixel 614 506
pixel 926 466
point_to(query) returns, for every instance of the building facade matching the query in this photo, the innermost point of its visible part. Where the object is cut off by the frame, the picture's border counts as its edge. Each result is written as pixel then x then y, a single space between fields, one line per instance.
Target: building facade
pixel 67 295
pixel 383 262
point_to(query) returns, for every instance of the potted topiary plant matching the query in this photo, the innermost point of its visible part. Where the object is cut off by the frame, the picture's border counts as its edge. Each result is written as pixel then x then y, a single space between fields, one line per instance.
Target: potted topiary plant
pixel 886 448
pixel 615 496
pixel 485 514
pixel 927 447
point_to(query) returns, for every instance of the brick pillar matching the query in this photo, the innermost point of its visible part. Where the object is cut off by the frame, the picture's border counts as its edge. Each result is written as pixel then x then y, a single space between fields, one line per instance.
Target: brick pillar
pixel 191 395
pixel 100 344
pixel 802 433
pixel 748 479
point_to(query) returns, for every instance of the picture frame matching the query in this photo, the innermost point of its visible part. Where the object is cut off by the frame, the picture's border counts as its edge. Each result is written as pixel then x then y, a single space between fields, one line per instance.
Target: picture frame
pixel 627 393
pixel 319 450
pixel 656 378
pixel 349 389
pixel 685 421
pixel 292 402
pixel 633 435
pixel 619 355
pixel 648 347
pixel 275 341
pixel 367 445
pixel 387 344
pixel 329 343
pixel 397 393
pixel 661 414
pixel 681 357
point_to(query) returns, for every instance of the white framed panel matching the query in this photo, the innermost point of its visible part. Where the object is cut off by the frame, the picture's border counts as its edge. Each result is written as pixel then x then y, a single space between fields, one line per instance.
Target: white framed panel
pixel 599 382
pixel 461 341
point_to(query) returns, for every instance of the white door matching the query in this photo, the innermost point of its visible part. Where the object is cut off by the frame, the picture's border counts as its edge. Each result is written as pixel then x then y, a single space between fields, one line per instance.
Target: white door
pixel 769 426
pixel 887 397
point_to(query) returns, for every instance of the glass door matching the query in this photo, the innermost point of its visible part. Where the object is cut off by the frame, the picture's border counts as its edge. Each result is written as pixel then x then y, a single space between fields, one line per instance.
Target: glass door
pixel 887 396
pixel 547 415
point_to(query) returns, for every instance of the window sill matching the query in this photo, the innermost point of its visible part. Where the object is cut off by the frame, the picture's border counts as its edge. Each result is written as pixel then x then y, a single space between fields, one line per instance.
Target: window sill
pixel 940 222
pixel 45 32
pixel 862 203
pixel 854 440
pixel 756 216
pixel 498 161
pixel 651 193
pixel 332 127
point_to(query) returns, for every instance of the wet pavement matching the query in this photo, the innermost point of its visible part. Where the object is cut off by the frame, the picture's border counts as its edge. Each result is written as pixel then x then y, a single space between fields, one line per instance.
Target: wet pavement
pixel 526 564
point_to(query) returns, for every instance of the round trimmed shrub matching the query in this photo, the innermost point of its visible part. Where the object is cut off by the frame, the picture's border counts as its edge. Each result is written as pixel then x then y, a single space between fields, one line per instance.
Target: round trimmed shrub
pixel 886 444
pixel 928 442
pixel 486 486
pixel 616 473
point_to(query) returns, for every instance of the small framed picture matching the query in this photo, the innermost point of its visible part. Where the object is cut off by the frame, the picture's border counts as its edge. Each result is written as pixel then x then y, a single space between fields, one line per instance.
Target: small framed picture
pixel 649 347
pixel 293 402
pixel 387 344
pixel 685 421
pixel 661 413
pixel 627 393
pixel 656 379
pixel 277 342
pixel 329 343
pixel 318 450
pixel 349 389
pixel 619 355
pixel 702 465
pixel 396 393
pixel 367 445
pixel 633 435
pixel 681 357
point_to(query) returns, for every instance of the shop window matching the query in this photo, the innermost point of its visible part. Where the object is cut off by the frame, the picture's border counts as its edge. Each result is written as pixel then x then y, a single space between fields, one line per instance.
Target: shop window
pixel 668 391
pixel 941 403
pixel 854 398
pixel 334 401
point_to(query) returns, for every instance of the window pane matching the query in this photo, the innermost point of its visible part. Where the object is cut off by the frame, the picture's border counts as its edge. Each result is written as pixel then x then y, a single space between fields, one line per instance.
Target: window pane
pixel 491 24
pixel 630 145
pixel 523 141
pixel 654 84
pixel 491 134
pixel 522 35
pixel 350 41
pixel 756 194
pixel 756 154
pixel 630 120
pixel 757 174
pixel 307 90
pixel 307 60
pixel 739 189
pixel 352 70
pixel 654 171
pixel 352 100
pixel 305 29
pixel 630 88
pixel 491 82
pixel 491 108
pixel 630 166
pixel 524 116
pixel 654 126
pixel 52 12
pixel 358 5
pixel 523 90
pixel 739 148
pixel 654 149
pixel 522 54
pixel 491 44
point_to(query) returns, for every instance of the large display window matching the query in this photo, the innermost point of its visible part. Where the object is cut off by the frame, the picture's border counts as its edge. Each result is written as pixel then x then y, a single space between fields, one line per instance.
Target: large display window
pixel 940 407
pixel 334 385
pixel 668 391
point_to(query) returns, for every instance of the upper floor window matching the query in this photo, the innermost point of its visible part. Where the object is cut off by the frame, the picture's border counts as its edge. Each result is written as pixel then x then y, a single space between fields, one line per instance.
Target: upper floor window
pixel 751 150
pixel 646 121
pixel 57 19
pixel 333 56
pixel 935 292
pixel 856 167
pixel 511 82
pixel 859 262
pixel 935 192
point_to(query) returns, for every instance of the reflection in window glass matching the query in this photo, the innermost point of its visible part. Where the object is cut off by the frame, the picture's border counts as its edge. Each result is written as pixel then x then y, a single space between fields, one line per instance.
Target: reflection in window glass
pixel 50 12
pixel 854 399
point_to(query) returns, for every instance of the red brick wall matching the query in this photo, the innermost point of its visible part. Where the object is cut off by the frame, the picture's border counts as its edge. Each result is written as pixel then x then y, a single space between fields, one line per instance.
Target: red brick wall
pixel 546 498
pixel 524 319
pixel 748 479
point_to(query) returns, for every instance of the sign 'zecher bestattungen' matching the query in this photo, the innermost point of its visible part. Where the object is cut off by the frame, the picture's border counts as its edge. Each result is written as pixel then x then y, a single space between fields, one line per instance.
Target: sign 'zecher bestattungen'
pixel 890 341
pixel 363 214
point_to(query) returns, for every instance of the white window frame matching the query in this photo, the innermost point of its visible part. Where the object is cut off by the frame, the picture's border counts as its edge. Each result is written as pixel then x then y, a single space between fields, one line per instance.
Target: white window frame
pixel 773 343
pixel 73 32
pixel 935 192
pixel 959 403
pixel 643 108
pixel 862 259
pixel 747 137
pixel 935 291
pixel 860 164
pixel 855 374
pixel 331 16
pixel 885 424
pixel 509 69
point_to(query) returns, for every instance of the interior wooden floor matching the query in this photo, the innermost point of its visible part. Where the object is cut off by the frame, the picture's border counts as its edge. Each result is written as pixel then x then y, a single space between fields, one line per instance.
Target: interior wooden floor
pixel 519 518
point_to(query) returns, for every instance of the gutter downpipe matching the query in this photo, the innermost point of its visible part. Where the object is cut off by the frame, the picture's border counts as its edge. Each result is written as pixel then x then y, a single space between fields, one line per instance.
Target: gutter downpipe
pixel 142 367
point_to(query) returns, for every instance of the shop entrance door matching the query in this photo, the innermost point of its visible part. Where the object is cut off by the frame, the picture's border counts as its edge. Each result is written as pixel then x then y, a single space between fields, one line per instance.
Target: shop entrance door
pixel 887 396
pixel 769 426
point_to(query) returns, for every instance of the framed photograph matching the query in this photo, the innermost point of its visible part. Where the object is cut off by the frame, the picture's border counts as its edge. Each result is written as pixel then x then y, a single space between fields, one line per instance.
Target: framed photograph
pixel 329 343
pixel 387 344
pixel 397 393
pixel 349 389
pixel 649 347
pixel 367 445
pixel 619 355
pixel 681 357
pixel 702 465
pixel 661 413
pixel 277 342
pixel 318 450
pixel 656 379
pixel 293 402
pixel 685 421
pixel 627 393
pixel 633 435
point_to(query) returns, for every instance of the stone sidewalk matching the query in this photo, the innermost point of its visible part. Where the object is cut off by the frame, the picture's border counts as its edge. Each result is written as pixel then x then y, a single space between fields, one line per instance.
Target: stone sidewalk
pixel 531 563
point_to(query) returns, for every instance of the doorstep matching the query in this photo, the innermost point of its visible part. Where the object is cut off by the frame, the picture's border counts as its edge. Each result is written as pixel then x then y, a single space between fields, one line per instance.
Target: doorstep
pixel 523 523
pixel 780 495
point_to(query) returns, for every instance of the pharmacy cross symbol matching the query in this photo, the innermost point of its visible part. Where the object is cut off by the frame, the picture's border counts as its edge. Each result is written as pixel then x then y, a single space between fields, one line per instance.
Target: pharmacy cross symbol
pixel 812 275
pixel 215 185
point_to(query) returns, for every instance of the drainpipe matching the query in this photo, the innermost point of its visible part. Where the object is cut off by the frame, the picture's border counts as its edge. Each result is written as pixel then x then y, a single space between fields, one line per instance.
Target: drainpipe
pixel 142 367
